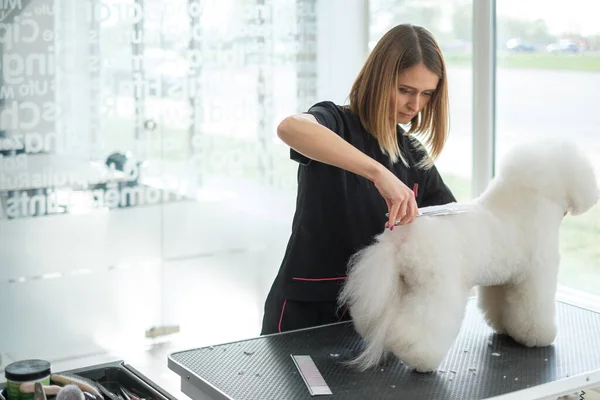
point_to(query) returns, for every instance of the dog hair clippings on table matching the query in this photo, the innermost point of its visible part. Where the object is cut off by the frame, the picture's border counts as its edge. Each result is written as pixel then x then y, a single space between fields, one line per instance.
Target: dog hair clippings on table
pixel 407 292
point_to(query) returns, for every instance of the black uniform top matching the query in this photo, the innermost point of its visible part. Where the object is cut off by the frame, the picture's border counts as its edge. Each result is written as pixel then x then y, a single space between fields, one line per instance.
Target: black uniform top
pixel 339 212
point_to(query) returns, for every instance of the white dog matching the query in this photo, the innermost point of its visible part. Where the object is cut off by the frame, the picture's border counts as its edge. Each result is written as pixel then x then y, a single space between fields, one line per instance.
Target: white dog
pixel 407 292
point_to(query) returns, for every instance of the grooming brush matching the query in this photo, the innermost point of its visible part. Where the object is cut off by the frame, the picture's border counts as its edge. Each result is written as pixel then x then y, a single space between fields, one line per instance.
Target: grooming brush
pixel 70 392
pixel 38 392
pixel 82 383
pixel 49 390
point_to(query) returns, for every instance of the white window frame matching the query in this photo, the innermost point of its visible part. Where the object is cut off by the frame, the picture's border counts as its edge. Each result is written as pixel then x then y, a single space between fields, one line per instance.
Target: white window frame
pixel 484 93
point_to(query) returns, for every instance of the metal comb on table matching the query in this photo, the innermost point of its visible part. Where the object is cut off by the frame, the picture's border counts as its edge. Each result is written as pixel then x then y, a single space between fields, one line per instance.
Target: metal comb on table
pixel 444 209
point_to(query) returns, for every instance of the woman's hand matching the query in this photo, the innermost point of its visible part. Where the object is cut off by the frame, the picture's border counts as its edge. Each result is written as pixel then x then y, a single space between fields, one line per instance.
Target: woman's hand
pixel 401 202
pixel 305 135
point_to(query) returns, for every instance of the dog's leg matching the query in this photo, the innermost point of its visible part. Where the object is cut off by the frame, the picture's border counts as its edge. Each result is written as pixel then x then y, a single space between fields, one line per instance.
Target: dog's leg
pixel 529 313
pixel 492 301
pixel 427 324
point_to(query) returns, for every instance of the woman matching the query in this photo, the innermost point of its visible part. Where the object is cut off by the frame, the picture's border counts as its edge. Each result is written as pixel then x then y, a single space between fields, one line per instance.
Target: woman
pixel 356 165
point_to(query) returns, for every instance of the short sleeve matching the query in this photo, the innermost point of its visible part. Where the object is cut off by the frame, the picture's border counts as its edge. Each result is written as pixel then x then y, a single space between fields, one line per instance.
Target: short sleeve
pixel 436 191
pixel 327 114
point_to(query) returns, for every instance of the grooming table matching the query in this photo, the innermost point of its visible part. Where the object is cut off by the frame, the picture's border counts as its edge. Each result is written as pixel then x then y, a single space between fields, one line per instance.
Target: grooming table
pixel 480 365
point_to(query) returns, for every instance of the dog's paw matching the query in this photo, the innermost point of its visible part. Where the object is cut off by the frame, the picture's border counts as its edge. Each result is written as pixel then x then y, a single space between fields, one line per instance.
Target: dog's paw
pixel 496 325
pixel 425 370
pixel 499 331
pixel 539 338
pixel 532 342
pixel 421 361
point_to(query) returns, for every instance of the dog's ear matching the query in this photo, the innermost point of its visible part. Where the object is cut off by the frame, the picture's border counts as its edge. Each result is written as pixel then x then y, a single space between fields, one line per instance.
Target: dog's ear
pixel 583 188
pixel 584 194
pixel 555 168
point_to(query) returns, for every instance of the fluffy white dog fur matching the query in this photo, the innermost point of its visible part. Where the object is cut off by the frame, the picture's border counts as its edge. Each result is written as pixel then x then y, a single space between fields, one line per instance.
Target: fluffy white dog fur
pixel 407 291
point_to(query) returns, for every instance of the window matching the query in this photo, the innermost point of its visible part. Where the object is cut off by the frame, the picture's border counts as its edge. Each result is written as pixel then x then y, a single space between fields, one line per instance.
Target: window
pixel 548 75
pixel 450 23
pixel 151 181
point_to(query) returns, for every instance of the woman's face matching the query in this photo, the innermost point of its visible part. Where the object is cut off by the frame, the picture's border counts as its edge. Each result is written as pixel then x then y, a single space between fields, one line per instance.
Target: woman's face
pixel 415 87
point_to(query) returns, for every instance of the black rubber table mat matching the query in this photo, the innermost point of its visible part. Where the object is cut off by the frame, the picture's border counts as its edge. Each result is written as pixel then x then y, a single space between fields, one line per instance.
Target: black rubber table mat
pixel 481 364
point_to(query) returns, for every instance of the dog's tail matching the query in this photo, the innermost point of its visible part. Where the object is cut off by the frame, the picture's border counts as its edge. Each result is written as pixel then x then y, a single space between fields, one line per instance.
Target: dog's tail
pixel 373 284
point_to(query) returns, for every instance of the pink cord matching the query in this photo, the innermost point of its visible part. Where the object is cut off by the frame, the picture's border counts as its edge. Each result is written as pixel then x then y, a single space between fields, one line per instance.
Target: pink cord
pixel 320 279
pixel 281 316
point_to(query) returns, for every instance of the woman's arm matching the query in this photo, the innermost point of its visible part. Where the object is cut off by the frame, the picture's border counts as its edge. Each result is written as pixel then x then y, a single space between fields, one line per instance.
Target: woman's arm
pixel 305 135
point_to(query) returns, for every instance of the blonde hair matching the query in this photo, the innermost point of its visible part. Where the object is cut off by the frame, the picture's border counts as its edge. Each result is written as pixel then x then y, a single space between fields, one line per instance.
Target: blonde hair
pixel 400 48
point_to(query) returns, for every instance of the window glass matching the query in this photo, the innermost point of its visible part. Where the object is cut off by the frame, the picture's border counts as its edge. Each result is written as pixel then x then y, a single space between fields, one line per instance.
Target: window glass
pixel 548 75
